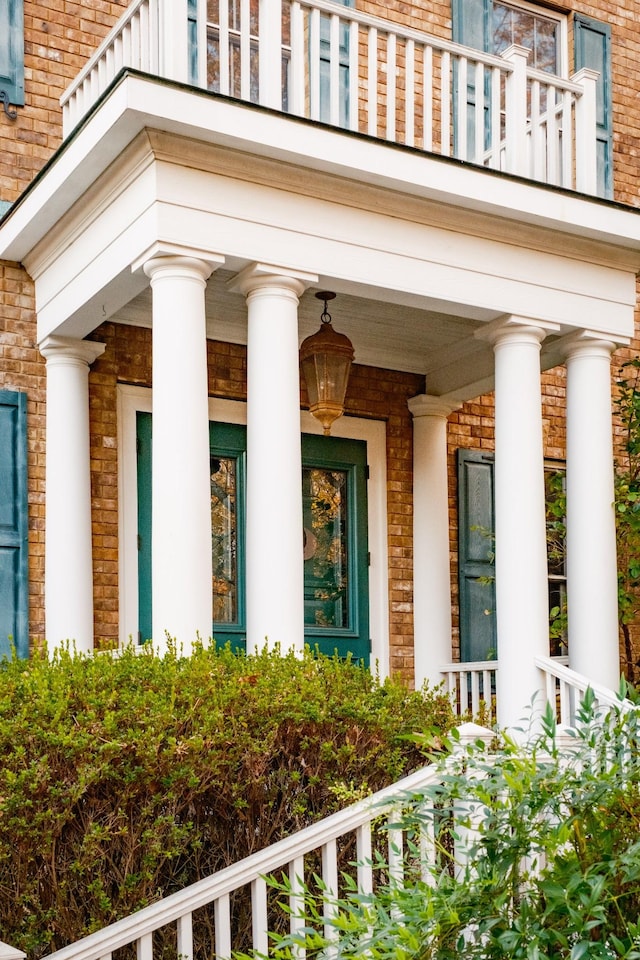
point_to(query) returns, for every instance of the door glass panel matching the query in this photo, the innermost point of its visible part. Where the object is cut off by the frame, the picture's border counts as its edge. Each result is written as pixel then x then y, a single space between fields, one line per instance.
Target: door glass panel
pixel 224 539
pixel 326 570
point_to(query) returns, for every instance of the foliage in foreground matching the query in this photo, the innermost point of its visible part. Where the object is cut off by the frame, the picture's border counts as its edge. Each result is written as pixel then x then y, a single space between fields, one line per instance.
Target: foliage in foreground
pixel 124 779
pixel 553 866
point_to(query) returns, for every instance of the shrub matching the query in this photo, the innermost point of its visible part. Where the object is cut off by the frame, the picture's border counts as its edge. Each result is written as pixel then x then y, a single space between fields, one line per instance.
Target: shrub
pixel 126 778
pixel 552 865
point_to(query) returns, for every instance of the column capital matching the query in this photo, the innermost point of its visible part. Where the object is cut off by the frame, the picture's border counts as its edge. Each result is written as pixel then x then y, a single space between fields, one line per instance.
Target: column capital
pixel 513 327
pixel 183 267
pixel 70 348
pixel 587 343
pixel 425 405
pixel 263 275
pixel 166 253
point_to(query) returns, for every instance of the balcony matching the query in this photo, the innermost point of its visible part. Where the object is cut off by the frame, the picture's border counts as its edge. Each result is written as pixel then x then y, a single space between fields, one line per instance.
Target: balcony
pixel 330 64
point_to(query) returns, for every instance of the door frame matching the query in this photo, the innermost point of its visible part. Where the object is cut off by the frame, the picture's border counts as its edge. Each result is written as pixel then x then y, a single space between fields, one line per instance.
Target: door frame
pixel 131 399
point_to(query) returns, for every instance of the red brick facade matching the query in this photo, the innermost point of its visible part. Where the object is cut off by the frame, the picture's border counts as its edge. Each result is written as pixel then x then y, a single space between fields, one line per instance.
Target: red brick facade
pixel 59 37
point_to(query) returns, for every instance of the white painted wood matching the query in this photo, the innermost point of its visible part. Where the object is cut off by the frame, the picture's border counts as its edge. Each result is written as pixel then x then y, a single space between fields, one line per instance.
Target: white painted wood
pixel 245 50
pixel 460 109
pixel 222 920
pixel 144 947
pixel 314 64
pixel 8 952
pixel 224 46
pixel 334 70
pixel 174 40
pixel 427 101
pixel 274 504
pixel 409 93
pixel 184 935
pixel 354 71
pixel 496 106
pixel 270 53
pixel 372 82
pixel 479 112
pixel 567 144
pixel 445 104
pixel 516 110
pixel 330 893
pixel 520 526
pixel 364 859
pixel 431 547
pixel 181 492
pixel 297 75
pixel 591 540
pixel 68 544
pixel 297 918
pixel 391 87
pixel 586 157
pixel 259 920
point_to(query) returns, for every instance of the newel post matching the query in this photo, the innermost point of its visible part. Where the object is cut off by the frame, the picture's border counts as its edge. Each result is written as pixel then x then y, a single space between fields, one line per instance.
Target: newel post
pixel 174 40
pixel 516 110
pixel 586 141
pixel 270 52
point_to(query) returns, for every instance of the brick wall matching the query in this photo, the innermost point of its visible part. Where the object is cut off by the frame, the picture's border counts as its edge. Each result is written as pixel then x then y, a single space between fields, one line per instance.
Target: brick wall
pixel 59 36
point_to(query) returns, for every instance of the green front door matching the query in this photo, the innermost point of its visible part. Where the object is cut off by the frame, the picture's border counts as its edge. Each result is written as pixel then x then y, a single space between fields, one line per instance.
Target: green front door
pixel 334 496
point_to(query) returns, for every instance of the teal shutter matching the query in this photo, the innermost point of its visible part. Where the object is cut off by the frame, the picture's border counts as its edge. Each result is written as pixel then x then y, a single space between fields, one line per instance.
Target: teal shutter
pixel 143 449
pixel 592 45
pixel 14 587
pixel 12 52
pixel 476 566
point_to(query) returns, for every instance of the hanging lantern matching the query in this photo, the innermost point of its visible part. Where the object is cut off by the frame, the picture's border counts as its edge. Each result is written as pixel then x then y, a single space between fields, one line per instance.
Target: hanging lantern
pixel 325 358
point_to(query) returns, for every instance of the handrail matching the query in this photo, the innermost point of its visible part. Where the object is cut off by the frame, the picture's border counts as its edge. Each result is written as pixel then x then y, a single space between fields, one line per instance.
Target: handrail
pixel 580 684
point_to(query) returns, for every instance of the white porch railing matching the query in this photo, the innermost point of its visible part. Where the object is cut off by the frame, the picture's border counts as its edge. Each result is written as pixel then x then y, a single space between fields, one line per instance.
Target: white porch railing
pixel 320 60
pixel 566 689
pixel 177 915
pixel 472 689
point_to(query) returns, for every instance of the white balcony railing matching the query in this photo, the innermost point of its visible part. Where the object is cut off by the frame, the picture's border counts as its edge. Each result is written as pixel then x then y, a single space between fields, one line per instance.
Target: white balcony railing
pixel 320 60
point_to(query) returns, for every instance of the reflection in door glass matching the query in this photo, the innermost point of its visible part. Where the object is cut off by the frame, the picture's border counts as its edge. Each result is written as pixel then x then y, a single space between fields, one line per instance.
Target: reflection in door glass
pixel 224 538
pixel 324 498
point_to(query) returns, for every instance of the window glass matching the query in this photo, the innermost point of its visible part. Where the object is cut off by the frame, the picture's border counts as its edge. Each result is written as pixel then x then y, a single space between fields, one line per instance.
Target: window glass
pixel 537 33
pixel 326 561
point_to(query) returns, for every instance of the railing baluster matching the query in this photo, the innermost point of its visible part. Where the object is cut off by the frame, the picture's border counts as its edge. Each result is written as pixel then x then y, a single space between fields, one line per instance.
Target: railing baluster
pixel 144 947
pixel 409 92
pixel 259 920
pixel 154 37
pixel 445 101
pixel 461 109
pixel 296 90
pixel 245 50
pixel 396 848
pixel 224 47
pixel 372 82
pixel 184 929
pixel 222 933
pixel 427 98
pixel 314 63
pixel 495 158
pixel 144 36
pixel 391 87
pixel 296 901
pixel 554 142
pixel 334 70
pixel 330 893
pixel 475 694
pixel 567 142
pixel 354 82
pixel 364 858
pixel 427 845
pixel 479 113
pixel 536 124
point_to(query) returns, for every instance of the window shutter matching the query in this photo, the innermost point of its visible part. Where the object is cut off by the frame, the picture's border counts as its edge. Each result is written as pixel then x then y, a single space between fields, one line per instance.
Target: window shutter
pixel 476 567
pixel 12 51
pixel 14 593
pixel 593 49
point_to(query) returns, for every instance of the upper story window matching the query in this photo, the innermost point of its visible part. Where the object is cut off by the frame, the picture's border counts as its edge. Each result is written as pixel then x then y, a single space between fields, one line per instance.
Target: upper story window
pixel 539 33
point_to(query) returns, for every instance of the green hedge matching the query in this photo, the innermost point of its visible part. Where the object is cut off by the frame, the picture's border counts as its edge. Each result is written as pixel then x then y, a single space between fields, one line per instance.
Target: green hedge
pixel 126 778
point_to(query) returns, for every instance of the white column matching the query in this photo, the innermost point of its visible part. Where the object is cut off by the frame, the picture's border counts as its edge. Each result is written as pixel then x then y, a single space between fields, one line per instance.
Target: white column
pixel 592 584
pixel 521 551
pixel 275 575
pixel 431 548
pixel 181 486
pixel 68 558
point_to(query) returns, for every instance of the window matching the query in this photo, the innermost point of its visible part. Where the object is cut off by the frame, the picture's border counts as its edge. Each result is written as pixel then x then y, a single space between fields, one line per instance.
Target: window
pixel 476 561
pixel 334 496
pixel 325 68
pixel 11 53
pixel 14 598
